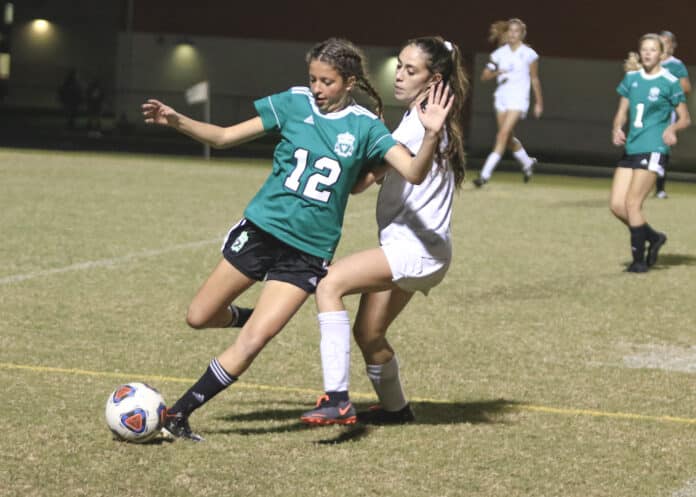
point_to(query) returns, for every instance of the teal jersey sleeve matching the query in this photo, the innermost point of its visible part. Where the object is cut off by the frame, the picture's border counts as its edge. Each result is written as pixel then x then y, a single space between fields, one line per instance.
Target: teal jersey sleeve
pixel 678 96
pixel 272 110
pixel 623 88
pixel 676 67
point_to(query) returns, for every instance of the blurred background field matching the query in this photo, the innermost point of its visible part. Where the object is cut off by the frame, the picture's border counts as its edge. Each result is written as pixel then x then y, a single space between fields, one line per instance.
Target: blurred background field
pixel 537 368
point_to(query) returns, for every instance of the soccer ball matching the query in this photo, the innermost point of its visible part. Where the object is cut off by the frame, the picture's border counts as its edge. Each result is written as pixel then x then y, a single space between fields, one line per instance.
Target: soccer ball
pixel 135 412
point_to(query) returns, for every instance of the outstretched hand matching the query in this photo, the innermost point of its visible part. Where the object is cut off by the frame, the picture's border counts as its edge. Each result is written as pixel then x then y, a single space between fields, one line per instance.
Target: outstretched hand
pixel 156 112
pixel 439 103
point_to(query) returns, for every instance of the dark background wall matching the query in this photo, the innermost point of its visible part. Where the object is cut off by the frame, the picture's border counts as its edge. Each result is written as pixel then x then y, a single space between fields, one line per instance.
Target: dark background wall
pixel 563 28
pixel 249 49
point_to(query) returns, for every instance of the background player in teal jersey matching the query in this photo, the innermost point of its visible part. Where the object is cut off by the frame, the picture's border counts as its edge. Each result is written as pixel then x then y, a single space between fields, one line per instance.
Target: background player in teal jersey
pixel 678 69
pixel 648 97
pixel 291 227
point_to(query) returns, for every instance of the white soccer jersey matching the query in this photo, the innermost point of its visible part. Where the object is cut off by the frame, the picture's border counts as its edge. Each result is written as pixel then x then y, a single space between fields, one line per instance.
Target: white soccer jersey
pixel 515 78
pixel 417 213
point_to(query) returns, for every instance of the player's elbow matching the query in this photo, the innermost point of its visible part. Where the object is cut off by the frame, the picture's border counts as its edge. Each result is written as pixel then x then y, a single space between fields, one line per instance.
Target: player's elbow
pixel 416 179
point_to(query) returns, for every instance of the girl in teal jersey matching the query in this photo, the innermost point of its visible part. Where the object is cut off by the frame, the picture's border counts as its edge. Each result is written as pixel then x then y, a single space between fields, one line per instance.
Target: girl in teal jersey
pixel 678 69
pixel 648 97
pixel 326 142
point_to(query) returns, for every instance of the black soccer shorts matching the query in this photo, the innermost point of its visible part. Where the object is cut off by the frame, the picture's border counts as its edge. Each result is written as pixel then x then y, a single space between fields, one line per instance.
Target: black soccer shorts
pixel 261 256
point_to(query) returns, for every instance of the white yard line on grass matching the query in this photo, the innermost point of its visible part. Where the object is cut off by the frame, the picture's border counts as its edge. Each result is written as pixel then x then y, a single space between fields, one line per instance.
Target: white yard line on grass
pixel 688 490
pixel 104 262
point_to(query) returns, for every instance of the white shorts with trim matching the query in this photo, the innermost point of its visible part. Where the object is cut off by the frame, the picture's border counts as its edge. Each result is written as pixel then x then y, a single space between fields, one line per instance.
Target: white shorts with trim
pixel 506 100
pixel 413 269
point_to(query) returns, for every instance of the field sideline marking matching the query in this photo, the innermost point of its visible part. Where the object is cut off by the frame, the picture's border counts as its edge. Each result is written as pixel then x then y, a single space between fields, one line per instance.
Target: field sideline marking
pixel 105 262
pixel 251 386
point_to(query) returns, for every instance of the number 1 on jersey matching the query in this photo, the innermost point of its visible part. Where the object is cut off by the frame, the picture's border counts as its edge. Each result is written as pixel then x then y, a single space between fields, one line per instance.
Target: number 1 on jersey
pixel 638 121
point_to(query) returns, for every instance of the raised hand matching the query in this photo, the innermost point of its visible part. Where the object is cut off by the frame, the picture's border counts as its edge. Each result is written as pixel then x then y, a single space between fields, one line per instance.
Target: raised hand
pixel 156 112
pixel 439 103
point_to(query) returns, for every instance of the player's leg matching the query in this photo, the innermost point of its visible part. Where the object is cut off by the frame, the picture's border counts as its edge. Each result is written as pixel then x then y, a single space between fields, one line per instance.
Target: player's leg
pixel 526 162
pixel 376 313
pixel 641 232
pixel 211 307
pixel 355 273
pixel 506 125
pixel 619 192
pixel 278 302
pixel 660 191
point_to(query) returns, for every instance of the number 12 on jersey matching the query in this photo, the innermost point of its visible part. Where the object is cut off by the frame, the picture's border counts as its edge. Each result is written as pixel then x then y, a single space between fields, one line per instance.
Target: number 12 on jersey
pixel 315 180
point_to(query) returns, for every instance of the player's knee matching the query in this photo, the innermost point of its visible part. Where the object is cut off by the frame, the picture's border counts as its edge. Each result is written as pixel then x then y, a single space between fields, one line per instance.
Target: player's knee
pixel 633 205
pixel 369 343
pixel 329 287
pixel 195 318
pixel 618 209
pixel 503 137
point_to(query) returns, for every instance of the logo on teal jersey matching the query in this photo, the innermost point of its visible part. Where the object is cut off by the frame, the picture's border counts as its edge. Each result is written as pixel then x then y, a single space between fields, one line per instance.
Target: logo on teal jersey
pixel 240 242
pixel 654 94
pixel 344 144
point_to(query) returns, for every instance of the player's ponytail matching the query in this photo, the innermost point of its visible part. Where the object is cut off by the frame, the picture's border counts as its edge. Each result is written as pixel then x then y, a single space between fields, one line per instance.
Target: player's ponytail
pixel 444 58
pixel 497 33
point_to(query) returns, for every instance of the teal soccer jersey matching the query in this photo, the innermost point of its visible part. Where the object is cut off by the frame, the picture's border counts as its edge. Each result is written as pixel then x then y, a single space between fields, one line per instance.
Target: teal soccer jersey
pixel 315 166
pixel 676 67
pixel 651 99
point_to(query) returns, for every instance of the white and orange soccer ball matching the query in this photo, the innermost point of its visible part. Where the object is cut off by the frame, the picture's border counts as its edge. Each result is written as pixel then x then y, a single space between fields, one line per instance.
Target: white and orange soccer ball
pixel 135 412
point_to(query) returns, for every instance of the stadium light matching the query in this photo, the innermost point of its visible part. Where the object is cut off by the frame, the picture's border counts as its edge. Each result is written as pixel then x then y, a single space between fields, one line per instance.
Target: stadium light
pixel 9 13
pixel 41 27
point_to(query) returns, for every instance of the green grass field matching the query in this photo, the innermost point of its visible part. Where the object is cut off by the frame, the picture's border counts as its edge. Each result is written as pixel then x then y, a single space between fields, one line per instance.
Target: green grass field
pixel 537 368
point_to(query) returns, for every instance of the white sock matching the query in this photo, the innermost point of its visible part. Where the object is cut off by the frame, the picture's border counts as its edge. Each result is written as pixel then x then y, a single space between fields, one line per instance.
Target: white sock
pixel 489 165
pixel 386 382
pixel 523 158
pixel 335 350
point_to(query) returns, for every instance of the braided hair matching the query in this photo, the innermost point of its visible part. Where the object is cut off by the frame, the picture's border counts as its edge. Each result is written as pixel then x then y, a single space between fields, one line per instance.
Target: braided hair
pixel 348 60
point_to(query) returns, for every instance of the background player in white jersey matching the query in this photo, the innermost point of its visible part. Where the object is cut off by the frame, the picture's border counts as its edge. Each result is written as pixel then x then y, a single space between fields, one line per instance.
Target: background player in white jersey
pixel 415 248
pixel 648 97
pixel 293 224
pixel 515 66
pixel 677 68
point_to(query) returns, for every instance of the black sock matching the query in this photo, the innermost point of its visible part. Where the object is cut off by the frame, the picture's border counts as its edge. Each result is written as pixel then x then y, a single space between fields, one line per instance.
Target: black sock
pixel 336 397
pixel 660 183
pixel 650 234
pixel 638 236
pixel 214 380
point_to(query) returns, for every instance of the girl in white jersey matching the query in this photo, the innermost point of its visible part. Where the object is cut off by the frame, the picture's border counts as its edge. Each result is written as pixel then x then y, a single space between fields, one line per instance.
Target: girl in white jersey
pixel 415 248
pixel 516 69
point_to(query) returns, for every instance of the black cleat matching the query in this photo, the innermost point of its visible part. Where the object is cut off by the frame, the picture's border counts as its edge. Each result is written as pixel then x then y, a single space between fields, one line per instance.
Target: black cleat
pixel 343 413
pixel 637 267
pixel 479 182
pixel 376 415
pixel 240 315
pixel 177 426
pixel 654 249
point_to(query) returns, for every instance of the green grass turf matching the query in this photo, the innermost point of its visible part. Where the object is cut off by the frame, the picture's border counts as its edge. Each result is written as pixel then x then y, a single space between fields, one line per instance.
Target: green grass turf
pixel 537 368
